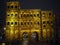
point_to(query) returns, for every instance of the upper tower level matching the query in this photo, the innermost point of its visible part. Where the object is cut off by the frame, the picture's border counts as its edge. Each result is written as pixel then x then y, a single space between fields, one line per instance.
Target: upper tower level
pixel 12 5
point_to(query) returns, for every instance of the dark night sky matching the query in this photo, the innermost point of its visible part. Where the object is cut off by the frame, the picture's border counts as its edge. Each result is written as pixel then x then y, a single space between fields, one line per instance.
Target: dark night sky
pixel 28 4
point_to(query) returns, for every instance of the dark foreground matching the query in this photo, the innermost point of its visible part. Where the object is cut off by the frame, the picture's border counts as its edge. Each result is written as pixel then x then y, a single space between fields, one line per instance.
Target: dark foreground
pixel 30 43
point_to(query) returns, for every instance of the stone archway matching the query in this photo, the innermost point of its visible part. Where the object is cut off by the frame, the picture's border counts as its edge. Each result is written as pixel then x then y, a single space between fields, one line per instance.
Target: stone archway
pixel 34 36
pixel 25 38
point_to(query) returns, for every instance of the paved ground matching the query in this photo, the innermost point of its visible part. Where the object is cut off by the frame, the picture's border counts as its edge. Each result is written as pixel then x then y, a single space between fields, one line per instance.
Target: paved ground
pixel 32 43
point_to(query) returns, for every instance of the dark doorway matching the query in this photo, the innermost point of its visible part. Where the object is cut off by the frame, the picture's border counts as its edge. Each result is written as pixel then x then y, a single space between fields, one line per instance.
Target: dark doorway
pixel 25 40
pixel 34 36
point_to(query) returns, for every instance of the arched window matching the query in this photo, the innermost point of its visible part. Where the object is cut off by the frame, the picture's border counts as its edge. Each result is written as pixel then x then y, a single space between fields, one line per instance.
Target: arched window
pixel 11 14
pixel 49 14
pixel 34 15
pixel 8 6
pixel 31 23
pixel 51 22
pixel 48 22
pixel 8 23
pixel 15 6
pixel 27 15
pixel 24 15
pixel 8 15
pixel 38 23
pixel 24 23
pixel 11 6
pixel 21 16
pixel 28 23
pixel 15 23
pixel 44 22
pixel 44 25
pixel 43 15
pixel 38 15
pixel 21 23
pixel 15 15
pixel 31 15
pixel 11 23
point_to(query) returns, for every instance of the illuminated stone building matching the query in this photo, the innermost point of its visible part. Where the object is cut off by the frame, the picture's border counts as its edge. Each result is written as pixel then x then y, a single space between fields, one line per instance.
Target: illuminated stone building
pixel 28 21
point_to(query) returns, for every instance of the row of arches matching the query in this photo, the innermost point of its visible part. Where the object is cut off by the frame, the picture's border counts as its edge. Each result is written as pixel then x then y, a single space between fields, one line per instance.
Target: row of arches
pixel 22 35
pixel 29 34
pixel 25 39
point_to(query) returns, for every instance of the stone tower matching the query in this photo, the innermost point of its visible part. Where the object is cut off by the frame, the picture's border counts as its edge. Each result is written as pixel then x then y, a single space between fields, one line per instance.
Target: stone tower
pixel 12 9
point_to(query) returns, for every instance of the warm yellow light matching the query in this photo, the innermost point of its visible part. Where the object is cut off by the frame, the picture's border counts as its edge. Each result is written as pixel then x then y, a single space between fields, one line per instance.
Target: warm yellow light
pixel 16 31
pixel 14 28
pixel 43 15
pixel 11 31
pixel 11 34
pixel 36 12
pixel 16 34
pixel 3 43
pixel 44 33
pixel 12 25
pixel 48 33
